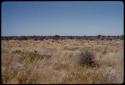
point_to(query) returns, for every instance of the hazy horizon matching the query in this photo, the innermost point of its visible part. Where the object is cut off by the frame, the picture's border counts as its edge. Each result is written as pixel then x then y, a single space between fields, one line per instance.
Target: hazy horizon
pixel 64 18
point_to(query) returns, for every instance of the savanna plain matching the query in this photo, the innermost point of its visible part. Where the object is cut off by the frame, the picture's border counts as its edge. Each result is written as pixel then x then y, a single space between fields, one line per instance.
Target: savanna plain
pixel 68 61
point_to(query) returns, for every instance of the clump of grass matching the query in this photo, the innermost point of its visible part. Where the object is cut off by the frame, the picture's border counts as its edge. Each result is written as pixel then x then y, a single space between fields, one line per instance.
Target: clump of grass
pixel 105 50
pixel 17 51
pixel 87 58
pixel 31 56
pixel 8 74
pixel 5 76
pixel 27 76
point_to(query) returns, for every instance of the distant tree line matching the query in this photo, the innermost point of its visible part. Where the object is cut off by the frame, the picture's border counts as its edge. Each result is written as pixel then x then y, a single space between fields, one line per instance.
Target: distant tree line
pixel 57 37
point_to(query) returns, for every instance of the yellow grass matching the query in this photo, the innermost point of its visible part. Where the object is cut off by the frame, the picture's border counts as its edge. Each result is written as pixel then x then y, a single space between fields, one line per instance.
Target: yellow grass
pixel 58 62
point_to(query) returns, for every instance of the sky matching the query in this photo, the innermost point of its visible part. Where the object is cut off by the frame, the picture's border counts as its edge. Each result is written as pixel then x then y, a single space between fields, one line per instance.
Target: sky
pixel 62 18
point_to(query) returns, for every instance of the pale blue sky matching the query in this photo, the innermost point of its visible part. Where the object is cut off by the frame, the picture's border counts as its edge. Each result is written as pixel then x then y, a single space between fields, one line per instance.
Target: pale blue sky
pixel 62 18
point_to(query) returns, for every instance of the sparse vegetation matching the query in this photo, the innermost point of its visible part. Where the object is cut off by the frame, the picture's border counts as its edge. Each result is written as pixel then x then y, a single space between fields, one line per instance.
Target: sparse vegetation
pixel 67 61
pixel 30 55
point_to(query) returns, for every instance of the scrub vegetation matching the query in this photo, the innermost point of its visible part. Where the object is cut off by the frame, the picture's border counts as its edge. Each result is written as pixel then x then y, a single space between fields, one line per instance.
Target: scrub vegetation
pixel 63 61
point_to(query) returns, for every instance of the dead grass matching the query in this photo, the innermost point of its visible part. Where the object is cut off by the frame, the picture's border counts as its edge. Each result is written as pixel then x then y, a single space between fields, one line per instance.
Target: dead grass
pixel 49 61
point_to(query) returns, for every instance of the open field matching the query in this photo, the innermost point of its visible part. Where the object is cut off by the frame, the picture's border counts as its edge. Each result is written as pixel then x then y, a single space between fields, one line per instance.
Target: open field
pixel 62 61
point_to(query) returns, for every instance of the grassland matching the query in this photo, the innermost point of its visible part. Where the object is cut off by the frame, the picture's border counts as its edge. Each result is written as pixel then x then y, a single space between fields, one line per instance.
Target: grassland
pixel 62 61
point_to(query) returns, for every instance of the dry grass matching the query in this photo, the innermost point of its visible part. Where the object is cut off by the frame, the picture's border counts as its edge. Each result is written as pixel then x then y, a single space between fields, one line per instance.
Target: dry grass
pixel 59 62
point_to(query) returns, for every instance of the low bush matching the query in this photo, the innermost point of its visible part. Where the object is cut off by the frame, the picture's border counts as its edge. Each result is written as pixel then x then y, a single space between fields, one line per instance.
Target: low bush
pixel 87 58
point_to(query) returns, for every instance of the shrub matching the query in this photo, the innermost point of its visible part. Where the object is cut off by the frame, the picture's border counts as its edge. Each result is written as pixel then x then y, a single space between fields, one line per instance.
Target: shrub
pixel 87 58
